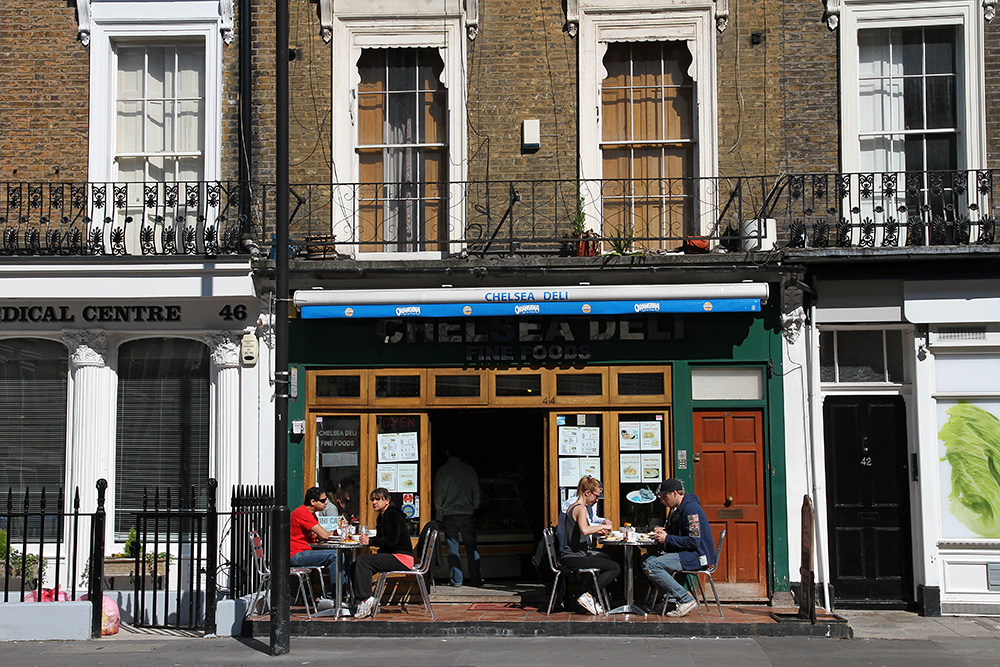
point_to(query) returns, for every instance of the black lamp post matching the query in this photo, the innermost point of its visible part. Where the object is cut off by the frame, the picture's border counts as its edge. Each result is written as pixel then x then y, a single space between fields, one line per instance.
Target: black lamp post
pixel 280 515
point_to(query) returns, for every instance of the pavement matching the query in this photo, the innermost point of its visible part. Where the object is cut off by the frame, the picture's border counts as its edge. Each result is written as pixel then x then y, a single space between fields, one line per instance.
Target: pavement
pixel 880 638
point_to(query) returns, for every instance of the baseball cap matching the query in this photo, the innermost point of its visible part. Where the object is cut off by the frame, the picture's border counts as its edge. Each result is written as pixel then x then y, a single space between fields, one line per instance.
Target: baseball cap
pixel 669 485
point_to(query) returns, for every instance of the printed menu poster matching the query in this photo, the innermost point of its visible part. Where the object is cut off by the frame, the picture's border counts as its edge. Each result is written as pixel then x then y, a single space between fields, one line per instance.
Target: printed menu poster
pixel 569 472
pixel 650 435
pixel 406 446
pixel 651 468
pixel 628 436
pixel 629 466
pixel 590 441
pixel 387 446
pixel 589 466
pixel 386 475
pixel 406 477
pixel 569 440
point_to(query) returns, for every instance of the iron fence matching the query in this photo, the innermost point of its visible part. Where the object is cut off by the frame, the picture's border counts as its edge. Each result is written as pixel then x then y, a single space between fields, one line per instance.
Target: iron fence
pixel 548 217
pixel 251 508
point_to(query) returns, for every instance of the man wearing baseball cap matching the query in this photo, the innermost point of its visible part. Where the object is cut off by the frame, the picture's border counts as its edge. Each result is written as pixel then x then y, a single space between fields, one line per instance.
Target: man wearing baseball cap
pixel 687 545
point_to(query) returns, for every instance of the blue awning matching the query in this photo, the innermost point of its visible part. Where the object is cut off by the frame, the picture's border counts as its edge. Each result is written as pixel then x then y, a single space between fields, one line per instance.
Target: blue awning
pixel 446 302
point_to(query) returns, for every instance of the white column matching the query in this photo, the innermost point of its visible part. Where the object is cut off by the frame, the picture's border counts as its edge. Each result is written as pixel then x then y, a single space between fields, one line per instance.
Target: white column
pixel 226 415
pixel 91 452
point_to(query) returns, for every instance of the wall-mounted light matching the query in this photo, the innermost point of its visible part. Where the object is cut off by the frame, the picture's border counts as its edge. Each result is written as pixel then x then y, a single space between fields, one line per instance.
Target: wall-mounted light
pixel 531 134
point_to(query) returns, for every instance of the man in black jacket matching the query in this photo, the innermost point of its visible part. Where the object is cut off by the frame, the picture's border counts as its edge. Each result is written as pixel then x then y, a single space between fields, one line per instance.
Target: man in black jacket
pixel 394 551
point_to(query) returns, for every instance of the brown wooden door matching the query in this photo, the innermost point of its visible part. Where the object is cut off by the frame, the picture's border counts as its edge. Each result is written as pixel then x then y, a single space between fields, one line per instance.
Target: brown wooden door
pixel 729 481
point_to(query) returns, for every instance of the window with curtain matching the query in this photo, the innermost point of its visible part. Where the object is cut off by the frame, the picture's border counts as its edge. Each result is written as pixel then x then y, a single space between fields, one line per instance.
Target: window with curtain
pixel 648 143
pixel 33 385
pixel 163 422
pixel 402 150
pixel 909 115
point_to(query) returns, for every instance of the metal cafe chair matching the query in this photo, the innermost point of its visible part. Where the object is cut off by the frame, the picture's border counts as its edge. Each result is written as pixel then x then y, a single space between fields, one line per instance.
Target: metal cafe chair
pixel 708 572
pixel 301 573
pixel 549 539
pixel 426 546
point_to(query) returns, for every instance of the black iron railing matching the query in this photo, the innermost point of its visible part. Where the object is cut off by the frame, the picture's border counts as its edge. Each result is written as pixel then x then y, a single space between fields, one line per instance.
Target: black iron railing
pixel 479 218
pixel 251 508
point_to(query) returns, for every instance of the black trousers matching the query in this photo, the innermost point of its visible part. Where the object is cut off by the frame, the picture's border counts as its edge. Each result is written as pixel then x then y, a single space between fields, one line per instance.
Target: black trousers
pixel 365 567
pixel 603 562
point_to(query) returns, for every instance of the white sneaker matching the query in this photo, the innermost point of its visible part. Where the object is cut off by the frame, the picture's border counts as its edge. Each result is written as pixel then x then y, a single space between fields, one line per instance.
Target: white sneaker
pixel 683 609
pixel 587 602
pixel 365 609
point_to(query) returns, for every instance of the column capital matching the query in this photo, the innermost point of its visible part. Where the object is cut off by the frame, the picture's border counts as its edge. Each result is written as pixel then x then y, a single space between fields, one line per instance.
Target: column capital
pixel 87 348
pixel 225 349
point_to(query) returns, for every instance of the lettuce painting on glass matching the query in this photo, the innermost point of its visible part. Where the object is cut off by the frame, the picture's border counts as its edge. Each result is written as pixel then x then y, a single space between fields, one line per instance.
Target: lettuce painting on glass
pixel 972 447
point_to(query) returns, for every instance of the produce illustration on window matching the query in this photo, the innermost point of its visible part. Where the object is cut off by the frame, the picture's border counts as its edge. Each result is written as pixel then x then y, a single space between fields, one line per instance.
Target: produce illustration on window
pixel 970 470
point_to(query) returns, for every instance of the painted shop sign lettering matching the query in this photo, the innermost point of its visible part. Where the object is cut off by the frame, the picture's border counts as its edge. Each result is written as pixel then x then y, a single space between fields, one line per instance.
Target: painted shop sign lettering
pixel 529 340
pixel 90 314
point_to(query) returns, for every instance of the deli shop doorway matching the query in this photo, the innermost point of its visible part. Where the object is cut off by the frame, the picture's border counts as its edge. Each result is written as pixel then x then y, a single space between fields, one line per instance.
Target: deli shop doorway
pixel 507 449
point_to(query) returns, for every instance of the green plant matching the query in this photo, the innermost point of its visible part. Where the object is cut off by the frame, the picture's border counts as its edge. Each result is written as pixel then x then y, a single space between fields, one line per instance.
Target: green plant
pixel 621 240
pixel 579 221
pixel 31 562
pixel 133 548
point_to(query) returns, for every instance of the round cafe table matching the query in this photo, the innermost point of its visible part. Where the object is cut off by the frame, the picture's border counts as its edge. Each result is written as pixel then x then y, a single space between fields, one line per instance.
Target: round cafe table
pixel 341 547
pixel 629 545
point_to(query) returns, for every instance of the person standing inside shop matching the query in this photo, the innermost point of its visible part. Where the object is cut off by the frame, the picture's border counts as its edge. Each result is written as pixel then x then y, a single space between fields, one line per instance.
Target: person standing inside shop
pixel 456 497
pixel 687 545
pixel 394 550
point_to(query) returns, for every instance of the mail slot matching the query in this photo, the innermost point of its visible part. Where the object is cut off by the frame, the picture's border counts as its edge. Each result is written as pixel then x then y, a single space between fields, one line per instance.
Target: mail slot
pixel 731 513
pixel 867 516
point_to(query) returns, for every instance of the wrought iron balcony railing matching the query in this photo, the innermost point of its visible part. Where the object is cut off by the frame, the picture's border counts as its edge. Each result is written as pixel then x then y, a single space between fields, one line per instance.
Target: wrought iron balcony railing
pixel 478 218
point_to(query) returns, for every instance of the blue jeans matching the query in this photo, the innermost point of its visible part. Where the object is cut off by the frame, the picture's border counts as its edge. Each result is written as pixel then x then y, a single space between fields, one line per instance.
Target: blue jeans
pixel 661 571
pixel 466 525
pixel 324 558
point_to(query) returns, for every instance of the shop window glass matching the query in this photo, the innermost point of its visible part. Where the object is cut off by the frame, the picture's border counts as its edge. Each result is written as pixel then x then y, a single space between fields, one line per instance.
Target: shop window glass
pixel 641 444
pixel 640 384
pixel 579 448
pixel 33 384
pixel 397 386
pixel 338 447
pixel 338 386
pixel 579 384
pixel 398 467
pixel 163 422
pixel 727 383
pixel 519 385
pixel 456 385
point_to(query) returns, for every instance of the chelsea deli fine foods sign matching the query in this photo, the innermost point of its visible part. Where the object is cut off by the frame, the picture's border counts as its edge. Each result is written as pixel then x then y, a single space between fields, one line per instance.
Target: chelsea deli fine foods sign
pixel 131 315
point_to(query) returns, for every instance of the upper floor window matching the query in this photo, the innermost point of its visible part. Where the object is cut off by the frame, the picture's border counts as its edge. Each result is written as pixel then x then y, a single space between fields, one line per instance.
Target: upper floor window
pixel 648 141
pixel 402 150
pixel 861 356
pixel 160 113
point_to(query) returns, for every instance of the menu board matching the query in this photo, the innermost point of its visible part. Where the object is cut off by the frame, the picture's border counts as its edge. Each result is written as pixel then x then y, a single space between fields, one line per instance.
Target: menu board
pixel 579 449
pixel 397 447
pixel 640 446
pixel 630 467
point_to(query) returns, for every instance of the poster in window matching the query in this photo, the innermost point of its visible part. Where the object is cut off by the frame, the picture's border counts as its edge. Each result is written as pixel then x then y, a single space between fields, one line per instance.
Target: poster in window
pixel 630 468
pixel 651 471
pixel 569 441
pixel 569 472
pixel 386 475
pixel 406 446
pixel 590 466
pixel 387 447
pixel 628 436
pixel 649 433
pixel 406 477
pixel 969 446
pixel 590 441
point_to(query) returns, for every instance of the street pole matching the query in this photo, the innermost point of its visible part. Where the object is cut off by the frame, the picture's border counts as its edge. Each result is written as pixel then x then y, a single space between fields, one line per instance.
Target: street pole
pixel 280 515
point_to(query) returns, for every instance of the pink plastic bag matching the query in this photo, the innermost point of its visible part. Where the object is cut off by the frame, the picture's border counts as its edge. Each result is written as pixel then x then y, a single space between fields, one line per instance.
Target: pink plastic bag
pixel 111 618
pixel 48 595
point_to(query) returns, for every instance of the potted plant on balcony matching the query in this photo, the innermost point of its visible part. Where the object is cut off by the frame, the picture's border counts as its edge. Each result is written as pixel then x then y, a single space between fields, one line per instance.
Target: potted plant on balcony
pixel 583 244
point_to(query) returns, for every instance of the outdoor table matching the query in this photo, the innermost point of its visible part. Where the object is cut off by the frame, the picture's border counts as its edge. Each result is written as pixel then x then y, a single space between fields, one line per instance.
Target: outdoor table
pixel 350 547
pixel 629 607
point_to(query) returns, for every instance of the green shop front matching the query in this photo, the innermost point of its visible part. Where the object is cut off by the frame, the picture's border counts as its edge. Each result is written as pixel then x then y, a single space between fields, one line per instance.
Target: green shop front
pixel 536 387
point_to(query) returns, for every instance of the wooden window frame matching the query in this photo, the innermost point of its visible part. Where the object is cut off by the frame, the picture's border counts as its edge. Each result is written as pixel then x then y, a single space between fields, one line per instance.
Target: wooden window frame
pixel 324 401
pixel 435 373
pixel 546 391
pixel 396 401
pixel 632 399
pixel 601 399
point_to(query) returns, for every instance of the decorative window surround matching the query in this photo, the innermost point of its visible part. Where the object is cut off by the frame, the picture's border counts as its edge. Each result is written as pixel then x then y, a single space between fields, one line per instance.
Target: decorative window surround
pixel 389 10
pixel 573 8
pixel 690 21
pixel 350 37
pixel 858 15
pixel 832 11
pixel 138 22
pixel 225 14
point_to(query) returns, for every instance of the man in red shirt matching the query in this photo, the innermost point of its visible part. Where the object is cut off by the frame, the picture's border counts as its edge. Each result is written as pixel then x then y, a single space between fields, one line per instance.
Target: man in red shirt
pixel 306 530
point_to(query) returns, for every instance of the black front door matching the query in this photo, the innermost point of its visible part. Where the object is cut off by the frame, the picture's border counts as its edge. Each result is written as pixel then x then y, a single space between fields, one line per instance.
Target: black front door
pixel 868 499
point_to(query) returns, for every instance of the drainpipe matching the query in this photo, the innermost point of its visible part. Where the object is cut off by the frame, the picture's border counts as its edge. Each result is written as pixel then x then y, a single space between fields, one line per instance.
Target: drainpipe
pixel 245 136
pixel 812 406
